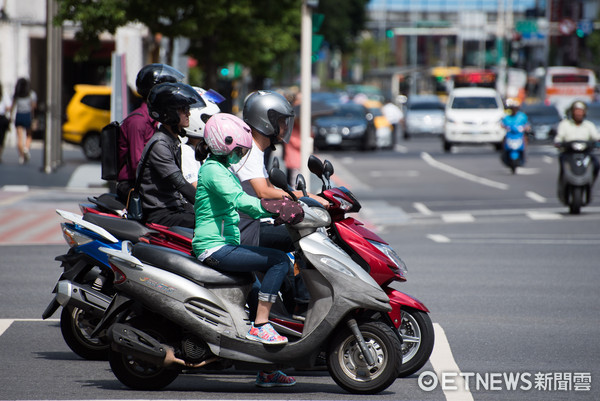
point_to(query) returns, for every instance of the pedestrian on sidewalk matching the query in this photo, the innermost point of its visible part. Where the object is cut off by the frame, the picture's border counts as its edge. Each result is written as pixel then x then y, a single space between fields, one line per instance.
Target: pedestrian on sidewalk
pixel 4 118
pixel 23 105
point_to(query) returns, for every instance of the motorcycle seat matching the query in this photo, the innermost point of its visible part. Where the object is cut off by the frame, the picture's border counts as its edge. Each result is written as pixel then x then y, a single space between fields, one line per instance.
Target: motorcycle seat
pixel 123 229
pixel 188 266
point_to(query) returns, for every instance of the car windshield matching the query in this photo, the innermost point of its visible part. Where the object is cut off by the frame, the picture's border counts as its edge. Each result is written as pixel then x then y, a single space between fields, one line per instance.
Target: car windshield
pixel 475 102
pixel 426 106
pixel 350 110
pixel 541 113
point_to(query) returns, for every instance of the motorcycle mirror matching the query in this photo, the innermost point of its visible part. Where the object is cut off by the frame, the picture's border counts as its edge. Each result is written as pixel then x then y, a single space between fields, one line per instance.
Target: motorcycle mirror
pixel 315 165
pixel 279 179
pixel 328 171
pixel 275 163
pixel 301 184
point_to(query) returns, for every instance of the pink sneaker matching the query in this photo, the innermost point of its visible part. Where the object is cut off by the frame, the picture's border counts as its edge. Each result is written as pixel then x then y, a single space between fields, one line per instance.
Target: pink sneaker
pixel 274 379
pixel 266 334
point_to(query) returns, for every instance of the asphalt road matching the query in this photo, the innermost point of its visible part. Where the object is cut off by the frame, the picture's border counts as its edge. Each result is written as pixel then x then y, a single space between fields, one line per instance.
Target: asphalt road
pixel 509 277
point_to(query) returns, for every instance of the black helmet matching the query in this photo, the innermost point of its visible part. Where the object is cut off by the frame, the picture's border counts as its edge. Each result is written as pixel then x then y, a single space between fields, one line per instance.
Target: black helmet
pixel 153 74
pixel 167 98
pixel 270 114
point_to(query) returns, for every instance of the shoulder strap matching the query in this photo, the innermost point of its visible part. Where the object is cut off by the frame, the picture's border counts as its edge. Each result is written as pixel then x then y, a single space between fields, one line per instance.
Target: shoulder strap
pixel 132 114
pixel 143 161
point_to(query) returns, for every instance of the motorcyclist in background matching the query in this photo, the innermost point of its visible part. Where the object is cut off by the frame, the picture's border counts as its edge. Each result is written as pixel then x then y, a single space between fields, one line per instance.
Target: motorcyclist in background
pixel 515 117
pixel 138 127
pixel 577 128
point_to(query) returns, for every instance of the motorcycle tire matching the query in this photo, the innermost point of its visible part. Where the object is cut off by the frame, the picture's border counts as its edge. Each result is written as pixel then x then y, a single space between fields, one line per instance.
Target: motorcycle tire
pixel 138 374
pixel 347 365
pixel 418 336
pixel 576 200
pixel 76 327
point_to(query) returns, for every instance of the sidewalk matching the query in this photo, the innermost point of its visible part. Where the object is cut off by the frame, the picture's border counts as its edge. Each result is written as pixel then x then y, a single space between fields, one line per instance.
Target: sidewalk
pixel 75 171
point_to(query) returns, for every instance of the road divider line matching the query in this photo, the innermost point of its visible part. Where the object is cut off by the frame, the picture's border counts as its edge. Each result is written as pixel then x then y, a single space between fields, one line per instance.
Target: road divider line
pixel 458 218
pixel 543 216
pixel 4 325
pixel 443 361
pixel 422 208
pixel 535 197
pixel 462 174
pixel 442 239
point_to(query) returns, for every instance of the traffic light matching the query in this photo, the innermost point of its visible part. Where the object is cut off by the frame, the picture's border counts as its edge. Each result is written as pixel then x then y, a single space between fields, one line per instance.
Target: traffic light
pixel 389 33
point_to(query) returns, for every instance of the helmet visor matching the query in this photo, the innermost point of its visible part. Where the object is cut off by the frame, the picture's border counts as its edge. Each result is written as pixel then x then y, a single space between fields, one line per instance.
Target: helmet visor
pixel 168 74
pixel 282 126
pixel 214 96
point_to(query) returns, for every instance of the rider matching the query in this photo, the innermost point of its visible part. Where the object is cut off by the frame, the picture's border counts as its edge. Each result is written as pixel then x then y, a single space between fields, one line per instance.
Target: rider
pixel 138 127
pixel 515 117
pixel 217 237
pixel 193 148
pixel 167 198
pixel 577 128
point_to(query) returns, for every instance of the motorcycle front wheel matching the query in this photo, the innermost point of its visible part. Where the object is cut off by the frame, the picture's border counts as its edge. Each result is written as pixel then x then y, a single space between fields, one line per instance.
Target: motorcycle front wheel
pixel 576 200
pixel 348 367
pixel 76 326
pixel 417 335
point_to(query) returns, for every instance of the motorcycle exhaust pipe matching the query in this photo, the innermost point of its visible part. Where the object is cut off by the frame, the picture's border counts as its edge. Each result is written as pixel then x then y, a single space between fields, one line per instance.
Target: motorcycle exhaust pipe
pixel 128 340
pixel 81 296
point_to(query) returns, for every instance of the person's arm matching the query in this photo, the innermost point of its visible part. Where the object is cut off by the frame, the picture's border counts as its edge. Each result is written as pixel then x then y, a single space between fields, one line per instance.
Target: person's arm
pixel 163 162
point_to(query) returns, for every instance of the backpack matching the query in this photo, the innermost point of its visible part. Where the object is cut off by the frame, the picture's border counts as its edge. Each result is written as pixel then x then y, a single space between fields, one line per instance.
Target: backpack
pixel 109 143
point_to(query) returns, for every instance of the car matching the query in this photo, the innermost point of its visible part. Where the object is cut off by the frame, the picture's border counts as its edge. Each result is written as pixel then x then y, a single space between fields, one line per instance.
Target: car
pixel 423 114
pixel 543 119
pixel 383 127
pixel 88 112
pixel 350 125
pixel 473 116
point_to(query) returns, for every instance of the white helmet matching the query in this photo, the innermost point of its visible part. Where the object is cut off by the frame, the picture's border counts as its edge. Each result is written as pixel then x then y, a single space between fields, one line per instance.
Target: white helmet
pixel 200 115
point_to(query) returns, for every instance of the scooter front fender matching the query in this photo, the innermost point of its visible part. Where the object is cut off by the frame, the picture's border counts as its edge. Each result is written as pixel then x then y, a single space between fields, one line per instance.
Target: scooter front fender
pixel 399 301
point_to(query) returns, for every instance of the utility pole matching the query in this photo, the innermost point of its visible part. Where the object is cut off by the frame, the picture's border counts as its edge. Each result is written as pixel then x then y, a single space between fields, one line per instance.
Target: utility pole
pixel 52 143
pixel 306 141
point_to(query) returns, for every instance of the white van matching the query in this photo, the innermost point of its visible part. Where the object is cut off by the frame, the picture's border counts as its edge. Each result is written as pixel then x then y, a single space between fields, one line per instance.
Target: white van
pixel 473 116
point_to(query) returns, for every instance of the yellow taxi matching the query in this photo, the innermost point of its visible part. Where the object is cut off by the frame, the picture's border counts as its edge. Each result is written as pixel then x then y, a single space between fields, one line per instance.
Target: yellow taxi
pixel 88 112
pixel 383 127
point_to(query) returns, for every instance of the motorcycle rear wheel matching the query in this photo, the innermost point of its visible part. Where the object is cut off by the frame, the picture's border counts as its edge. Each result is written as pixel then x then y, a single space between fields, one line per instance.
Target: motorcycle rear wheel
pixel 576 200
pixel 138 374
pixel 417 335
pixel 347 365
pixel 76 326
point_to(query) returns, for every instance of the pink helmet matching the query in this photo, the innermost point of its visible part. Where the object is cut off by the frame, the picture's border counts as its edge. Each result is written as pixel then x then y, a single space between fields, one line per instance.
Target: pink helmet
pixel 225 132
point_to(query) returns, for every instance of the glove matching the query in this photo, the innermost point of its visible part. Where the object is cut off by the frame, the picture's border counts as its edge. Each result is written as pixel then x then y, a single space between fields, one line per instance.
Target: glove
pixel 288 211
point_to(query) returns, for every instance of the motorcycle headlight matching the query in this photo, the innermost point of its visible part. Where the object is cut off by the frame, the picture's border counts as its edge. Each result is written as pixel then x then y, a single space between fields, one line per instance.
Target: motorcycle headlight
pixel 344 204
pixel 392 255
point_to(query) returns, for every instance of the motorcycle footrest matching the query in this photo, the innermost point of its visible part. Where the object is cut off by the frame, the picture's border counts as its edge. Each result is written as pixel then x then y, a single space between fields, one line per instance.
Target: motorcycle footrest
pixel 128 340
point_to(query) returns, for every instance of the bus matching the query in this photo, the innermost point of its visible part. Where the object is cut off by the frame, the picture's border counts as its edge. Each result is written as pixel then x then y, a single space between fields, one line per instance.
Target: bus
pixel 564 85
pixel 443 79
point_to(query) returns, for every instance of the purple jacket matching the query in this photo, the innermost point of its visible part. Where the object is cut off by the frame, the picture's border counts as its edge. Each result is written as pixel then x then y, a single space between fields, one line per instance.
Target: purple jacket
pixel 136 132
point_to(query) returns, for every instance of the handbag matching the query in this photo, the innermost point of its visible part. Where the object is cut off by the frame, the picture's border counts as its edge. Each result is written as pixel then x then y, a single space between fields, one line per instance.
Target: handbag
pixel 134 198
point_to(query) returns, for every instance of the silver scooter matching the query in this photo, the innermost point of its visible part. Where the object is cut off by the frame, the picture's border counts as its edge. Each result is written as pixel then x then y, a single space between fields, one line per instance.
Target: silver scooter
pixel 172 313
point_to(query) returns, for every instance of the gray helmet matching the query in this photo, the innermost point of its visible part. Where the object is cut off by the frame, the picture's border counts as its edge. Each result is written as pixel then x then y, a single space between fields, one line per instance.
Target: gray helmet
pixel 270 114
pixel 153 74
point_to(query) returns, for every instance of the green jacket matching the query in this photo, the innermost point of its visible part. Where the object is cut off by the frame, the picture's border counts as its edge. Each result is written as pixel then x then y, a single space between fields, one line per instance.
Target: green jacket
pixel 219 196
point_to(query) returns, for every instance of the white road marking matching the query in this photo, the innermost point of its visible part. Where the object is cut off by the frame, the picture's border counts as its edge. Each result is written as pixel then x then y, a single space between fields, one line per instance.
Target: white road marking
pixel 548 159
pixel 462 174
pixel 422 208
pixel 458 218
pixel 5 323
pixel 442 361
pixel 527 171
pixel 535 197
pixel 442 239
pixel 543 216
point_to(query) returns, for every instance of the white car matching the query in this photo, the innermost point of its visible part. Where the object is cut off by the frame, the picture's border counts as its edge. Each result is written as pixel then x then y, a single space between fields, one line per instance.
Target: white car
pixel 473 116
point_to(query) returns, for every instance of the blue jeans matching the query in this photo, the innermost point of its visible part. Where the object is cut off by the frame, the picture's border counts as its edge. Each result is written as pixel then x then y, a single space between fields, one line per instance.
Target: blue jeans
pixel 242 258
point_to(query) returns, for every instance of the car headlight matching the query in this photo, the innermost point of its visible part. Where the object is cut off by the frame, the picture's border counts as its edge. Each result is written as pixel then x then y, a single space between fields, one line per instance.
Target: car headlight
pixel 392 255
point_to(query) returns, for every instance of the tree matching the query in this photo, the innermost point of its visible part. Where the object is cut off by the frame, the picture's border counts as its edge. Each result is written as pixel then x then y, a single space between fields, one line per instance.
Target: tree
pixel 253 32
pixel 342 23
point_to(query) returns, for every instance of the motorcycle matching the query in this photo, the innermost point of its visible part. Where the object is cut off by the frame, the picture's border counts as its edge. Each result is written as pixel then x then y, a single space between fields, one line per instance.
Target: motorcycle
pixel 576 176
pixel 85 289
pixel 513 147
pixel 374 255
pixel 171 312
